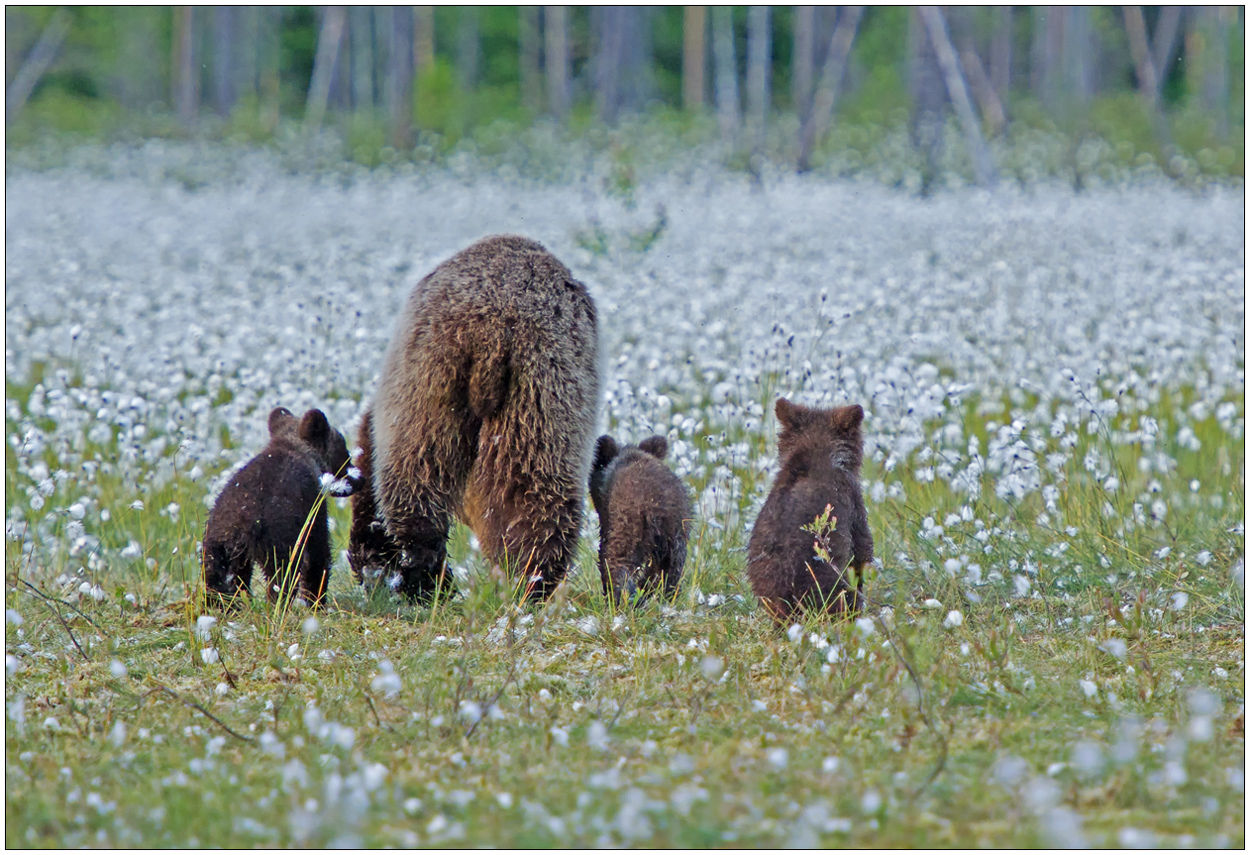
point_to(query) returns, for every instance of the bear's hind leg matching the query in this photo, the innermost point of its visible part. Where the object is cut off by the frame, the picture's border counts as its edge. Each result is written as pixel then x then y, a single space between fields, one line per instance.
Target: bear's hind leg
pixel 371 551
pixel 227 571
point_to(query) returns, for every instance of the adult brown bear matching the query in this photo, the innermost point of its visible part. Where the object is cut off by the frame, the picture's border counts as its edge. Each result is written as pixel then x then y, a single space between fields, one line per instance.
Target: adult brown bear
pixel 485 411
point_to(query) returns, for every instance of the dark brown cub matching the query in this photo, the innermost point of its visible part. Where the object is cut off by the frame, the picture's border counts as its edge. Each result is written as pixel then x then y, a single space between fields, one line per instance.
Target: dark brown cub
pixel 260 515
pixel 821 452
pixel 644 517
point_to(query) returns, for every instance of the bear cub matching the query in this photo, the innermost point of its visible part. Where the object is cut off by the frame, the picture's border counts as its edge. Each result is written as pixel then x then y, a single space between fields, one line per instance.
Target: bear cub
pixel 644 517
pixel 821 452
pixel 259 516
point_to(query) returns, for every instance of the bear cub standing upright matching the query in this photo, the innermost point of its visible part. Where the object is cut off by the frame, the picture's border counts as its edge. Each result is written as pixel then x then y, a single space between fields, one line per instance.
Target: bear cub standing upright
pixel 821 452
pixel 259 516
pixel 644 516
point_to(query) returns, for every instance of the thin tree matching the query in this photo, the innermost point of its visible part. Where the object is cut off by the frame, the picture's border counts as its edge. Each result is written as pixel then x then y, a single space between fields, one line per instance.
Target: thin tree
pixel 693 56
pixel 41 56
pixel 957 89
pixel 360 29
pixel 399 75
pixel 185 77
pixel 1207 44
pixel 328 45
pixel 422 38
pixel 270 65
pixel 759 63
pixel 820 114
pixel 803 60
pixel 726 63
pixel 1000 54
pixel 225 27
pixel 467 47
pixel 531 44
pixel 557 59
pixel 928 101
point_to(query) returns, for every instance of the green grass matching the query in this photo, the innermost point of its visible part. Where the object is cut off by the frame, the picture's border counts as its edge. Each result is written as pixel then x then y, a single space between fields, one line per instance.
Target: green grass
pixel 690 724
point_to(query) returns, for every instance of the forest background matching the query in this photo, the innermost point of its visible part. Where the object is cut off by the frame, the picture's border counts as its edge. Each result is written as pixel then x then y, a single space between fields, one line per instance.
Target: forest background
pixel 1161 84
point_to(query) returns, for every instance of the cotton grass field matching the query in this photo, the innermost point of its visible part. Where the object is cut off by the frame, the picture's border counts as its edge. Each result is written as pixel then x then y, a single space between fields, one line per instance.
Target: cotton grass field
pixel 1054 648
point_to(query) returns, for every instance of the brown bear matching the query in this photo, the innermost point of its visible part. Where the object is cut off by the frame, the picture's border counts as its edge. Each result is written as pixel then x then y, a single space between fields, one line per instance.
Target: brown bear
pixel 644 516
pixel 821 452
pixel 485 410
pixel 265 508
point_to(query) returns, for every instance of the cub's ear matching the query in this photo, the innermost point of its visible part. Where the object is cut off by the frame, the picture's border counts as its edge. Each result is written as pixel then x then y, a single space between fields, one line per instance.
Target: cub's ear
pixel 848 418
pixel 314 429
pixel 786 413
pixel 279 418
pixel 605 452
pixel 656 446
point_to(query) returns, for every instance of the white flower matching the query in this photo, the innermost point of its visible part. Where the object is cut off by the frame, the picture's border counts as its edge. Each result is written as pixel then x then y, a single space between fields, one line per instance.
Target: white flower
pixel 597 736
pixel 471 711
pixel 310 625
pixel 931 604
pixel 1090 688
pixel 712 667
pixel 209 656
pixel 778 758
pixel 204 626
pixel 117 669
pixel 954 618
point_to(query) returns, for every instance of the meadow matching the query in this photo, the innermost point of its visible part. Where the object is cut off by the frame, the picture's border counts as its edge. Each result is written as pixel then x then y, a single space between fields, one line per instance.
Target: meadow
pixel 1054 648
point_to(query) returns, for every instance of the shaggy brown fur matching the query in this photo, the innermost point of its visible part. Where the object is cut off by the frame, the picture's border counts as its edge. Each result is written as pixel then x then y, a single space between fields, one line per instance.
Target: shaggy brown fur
pixel 820 452
pixel 644 516
pixel 258 517
pixel 485 411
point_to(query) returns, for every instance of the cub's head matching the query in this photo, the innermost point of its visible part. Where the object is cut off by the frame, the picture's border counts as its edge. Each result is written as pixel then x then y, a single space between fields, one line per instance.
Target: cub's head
pixel 327 445
pixel 836 432
pixel 608 452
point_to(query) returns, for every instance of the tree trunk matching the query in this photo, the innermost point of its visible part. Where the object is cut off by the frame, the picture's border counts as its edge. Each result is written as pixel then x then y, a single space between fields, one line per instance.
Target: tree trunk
pixel 935 24
pixel 1000 54
pixel 270 65
pixel 247 54
pixel 609 59
pixel 928 102
pixel 41 56
pixel 983 90
pixel 186 78
pixel 558 62
pixel 726 64
pixel 531 45
pixel 759 63
pixel 1209 47
pixel 1139 45
pixel 803 61
pixel 224 28
pixel 328 41
pixel 693 57
pixel 399 76
pixel 819 116
pixel 422 38
pixel 1165 43
pixel 467 47
pixel 1078 54
pixel 360 20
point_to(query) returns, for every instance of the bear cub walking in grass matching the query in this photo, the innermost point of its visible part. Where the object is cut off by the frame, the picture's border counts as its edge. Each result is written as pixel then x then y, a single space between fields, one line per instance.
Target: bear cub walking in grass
pixel 260 515
pixel 644 516
pixel 821 452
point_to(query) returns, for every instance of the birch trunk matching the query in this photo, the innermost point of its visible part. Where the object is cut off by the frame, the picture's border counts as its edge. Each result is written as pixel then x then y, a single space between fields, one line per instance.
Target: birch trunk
pixel 557 60
pixel 726 65
pixel 328 41
pixel 818 118
pixel 935 24
pixel 693 56
pixel 531 48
